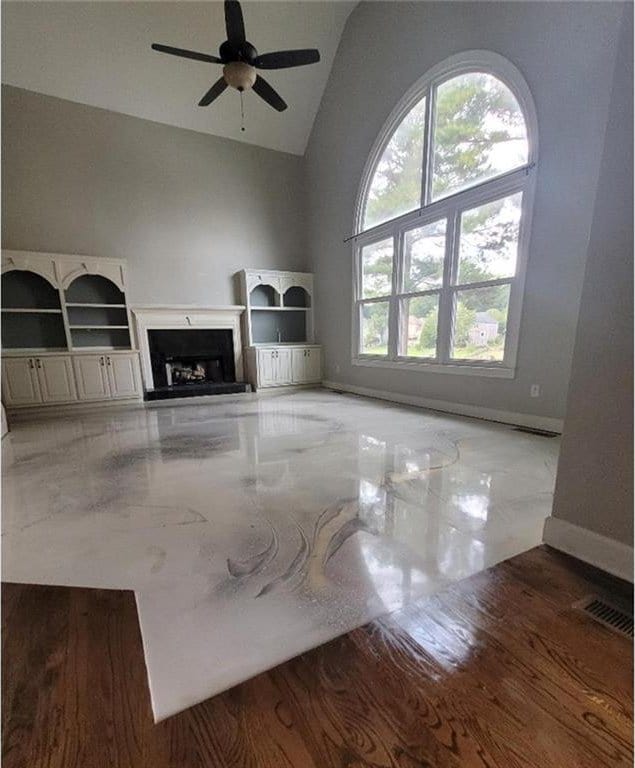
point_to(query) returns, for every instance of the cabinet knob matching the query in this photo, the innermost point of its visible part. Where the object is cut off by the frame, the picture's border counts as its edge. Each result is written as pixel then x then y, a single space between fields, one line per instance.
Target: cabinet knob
pixel 39 363
pixel 108 360
pixel 308 353
pixel 101 361
pixel 31 363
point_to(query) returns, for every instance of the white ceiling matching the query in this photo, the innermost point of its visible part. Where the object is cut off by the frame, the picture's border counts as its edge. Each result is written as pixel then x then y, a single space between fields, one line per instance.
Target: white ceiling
pixel 98 53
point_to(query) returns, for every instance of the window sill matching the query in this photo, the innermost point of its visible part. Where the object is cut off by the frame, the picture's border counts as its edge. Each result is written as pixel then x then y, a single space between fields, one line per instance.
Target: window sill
pixel 491 371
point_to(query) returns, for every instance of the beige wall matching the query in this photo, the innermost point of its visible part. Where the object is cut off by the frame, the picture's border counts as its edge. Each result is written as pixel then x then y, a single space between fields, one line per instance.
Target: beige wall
pixel 566 53
pixel 594 488
pixel 186 209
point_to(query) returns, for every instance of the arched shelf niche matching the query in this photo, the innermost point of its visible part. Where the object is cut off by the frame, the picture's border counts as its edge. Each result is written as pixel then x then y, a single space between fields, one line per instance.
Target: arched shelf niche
pixel 296 296
pixel 94 289
pixel 264 295
pixel 31 312
pixel 24 289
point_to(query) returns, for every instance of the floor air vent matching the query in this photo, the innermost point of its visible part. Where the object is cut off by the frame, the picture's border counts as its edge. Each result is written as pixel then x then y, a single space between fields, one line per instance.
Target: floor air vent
pixel 605 613
pixel 532 431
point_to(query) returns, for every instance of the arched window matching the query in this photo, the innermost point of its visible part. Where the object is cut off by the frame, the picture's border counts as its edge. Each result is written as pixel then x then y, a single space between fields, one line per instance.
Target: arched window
pixel 442 222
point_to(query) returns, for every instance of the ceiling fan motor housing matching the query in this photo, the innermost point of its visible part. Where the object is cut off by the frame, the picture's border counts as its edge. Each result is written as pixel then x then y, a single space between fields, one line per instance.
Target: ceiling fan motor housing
pixel 239 75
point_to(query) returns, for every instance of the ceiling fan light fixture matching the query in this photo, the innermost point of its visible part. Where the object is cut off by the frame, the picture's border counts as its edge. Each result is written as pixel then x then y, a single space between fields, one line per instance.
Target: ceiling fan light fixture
pixel 239 75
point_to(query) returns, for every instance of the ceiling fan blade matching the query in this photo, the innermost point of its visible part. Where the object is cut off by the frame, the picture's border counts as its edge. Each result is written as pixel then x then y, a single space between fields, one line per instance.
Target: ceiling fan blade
pixel 285 59
pixel 213 93
pixel 234 22
pixel 266 92
pixel 186 54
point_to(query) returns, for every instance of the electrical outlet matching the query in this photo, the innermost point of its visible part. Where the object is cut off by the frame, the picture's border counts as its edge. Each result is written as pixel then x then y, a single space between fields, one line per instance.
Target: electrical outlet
pixel 534 390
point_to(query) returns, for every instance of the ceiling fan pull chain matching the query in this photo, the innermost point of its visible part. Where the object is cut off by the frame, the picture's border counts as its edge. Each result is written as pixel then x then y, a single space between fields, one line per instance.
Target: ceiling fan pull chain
pixel 242 112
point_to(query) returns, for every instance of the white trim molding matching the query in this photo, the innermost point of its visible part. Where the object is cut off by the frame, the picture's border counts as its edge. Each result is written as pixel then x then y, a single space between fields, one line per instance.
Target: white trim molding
pixel 546 423
pixel 173 317
pixel 590 547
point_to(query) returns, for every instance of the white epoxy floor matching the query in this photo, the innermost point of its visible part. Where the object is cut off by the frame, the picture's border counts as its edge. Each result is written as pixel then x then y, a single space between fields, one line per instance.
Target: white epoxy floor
pixel 253 530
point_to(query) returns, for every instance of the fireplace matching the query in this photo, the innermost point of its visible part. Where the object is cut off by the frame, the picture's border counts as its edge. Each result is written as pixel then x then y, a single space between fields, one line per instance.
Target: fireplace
pixel 186 362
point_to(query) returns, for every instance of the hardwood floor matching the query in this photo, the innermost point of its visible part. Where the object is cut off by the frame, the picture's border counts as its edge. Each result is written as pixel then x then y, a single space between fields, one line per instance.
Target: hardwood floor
pixel 497 670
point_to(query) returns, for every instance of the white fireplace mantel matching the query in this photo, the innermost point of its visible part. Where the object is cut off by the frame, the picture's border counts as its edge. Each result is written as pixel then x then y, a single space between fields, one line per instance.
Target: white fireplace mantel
pixel 150 318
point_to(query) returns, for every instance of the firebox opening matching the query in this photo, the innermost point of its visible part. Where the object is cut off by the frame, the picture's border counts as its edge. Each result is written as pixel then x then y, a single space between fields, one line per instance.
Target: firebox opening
pixel 192 362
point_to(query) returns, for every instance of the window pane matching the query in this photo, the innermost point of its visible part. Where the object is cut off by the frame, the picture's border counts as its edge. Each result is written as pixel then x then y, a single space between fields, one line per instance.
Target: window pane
pixel 488 247
pixel 480 323
pixel 424 253
pixel 419 331
pixel 377 269
pixel 396 184
pixel 374 335
pixel 479 132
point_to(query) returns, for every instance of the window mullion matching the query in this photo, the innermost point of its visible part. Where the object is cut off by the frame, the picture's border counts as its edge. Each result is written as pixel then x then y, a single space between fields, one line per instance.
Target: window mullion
pixel 428 147
pixel 394 320
pixel 446 301
pixel 426 174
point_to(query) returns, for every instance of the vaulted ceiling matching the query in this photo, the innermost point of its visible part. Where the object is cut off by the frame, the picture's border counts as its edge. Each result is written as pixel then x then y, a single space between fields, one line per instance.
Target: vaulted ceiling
pixel 98 53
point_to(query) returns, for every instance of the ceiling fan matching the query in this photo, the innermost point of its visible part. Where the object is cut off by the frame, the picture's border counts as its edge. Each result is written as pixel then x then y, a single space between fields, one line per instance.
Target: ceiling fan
pixel 241 61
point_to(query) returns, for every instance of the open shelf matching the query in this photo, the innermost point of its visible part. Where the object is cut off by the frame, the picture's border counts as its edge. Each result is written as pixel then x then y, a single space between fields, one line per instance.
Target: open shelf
pixel 280 309
pixel 29 311
pixel 97 316
pixel 96 327
pixel 273 326
pixel 93 304
pixel 103 349
pixel 33 330
pixel 106 337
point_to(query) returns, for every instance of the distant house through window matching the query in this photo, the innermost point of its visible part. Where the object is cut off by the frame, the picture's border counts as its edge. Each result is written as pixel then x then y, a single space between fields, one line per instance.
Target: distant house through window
pixel 442 222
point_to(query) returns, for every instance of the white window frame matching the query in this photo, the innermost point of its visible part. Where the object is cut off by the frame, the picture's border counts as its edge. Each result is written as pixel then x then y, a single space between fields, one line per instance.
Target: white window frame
pixel 450 207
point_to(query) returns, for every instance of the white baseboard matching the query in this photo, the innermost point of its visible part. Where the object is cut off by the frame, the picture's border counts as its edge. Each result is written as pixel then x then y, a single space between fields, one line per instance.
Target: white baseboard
pixel 474 411
pixel 593 548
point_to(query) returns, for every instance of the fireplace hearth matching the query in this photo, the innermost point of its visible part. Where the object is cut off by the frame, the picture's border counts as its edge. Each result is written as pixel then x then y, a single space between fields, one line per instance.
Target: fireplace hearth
pixel 192 362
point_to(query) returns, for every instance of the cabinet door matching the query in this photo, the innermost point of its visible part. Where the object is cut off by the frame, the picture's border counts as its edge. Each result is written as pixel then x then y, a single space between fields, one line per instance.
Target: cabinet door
pixel 313 365
pixel 267 367
pixel 284 373
pixel 19 382
pixel 299 366
pixel 55 376
pixel 123 375
pixel 91 377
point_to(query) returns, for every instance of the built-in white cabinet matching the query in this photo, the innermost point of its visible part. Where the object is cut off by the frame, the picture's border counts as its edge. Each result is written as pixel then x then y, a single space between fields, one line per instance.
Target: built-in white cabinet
pixel 101 377
pixel 278 328
pixel 283 366
pixel 38 380
pixel 124 375
pixel 91 376
pixel 307 365
pixel 63 379
pixel 19 382
pixel 66 333
pixel 56 380
pixel 274 367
